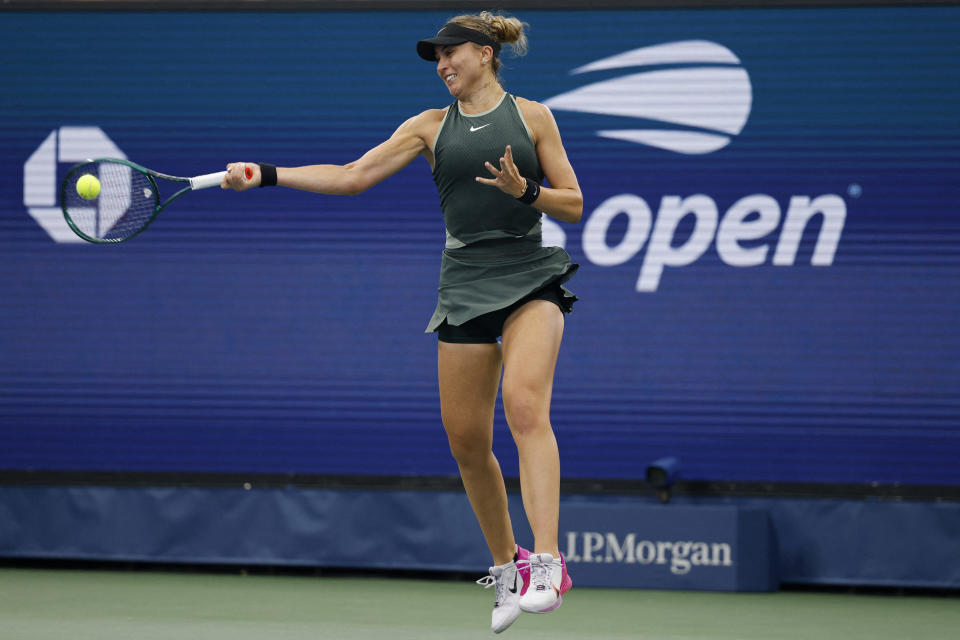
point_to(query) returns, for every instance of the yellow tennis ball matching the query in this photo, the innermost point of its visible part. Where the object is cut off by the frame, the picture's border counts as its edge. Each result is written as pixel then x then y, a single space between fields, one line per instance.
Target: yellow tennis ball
pixel 88 186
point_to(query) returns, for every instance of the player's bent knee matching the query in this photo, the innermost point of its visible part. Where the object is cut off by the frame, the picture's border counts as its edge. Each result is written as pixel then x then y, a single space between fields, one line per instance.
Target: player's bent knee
pixel 526 413
pixel 469 451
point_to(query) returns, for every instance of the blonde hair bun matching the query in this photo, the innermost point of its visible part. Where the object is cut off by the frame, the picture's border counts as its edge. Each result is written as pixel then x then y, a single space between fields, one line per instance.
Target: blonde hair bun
pixel 504 29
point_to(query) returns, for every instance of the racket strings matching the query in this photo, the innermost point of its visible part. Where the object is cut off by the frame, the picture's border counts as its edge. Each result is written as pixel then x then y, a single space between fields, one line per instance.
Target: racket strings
pixel 126 203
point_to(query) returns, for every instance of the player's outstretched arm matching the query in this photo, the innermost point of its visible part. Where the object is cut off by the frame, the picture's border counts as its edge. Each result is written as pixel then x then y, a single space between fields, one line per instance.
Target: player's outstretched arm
pixel 377 164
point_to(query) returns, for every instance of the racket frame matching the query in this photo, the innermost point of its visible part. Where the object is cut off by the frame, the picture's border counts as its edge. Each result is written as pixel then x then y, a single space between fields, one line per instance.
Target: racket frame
pixel 198 182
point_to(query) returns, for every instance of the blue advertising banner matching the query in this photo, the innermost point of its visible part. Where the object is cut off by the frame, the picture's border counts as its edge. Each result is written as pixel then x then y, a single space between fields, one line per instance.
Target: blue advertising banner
pixel 624 544
pixel 606 544
pixel 769 247
pixel 607 541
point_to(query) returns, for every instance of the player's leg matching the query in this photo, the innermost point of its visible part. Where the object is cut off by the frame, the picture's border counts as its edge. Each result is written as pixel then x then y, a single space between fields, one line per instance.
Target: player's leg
pixel 531 343
pixel 469 377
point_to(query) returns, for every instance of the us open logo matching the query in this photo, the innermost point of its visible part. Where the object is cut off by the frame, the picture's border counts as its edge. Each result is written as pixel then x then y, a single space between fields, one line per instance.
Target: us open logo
pixel 698 108
pixel 691 97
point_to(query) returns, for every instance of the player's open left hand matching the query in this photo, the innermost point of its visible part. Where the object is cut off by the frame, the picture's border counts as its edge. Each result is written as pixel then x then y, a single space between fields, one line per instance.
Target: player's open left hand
pixel 507 178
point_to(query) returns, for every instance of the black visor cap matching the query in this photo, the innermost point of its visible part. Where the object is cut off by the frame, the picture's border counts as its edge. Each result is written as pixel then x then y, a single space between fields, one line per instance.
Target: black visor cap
pixel 454 34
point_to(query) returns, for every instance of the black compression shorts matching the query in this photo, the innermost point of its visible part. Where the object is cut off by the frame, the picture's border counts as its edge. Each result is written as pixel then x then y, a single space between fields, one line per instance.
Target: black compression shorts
pixel 486 328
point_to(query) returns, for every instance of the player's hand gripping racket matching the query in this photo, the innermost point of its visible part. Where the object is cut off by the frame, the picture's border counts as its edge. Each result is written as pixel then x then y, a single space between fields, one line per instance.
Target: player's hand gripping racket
pixel 111 200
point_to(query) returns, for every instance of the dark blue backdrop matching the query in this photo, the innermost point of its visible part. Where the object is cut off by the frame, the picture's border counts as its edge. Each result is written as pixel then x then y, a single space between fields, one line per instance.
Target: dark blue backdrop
pixel 281 332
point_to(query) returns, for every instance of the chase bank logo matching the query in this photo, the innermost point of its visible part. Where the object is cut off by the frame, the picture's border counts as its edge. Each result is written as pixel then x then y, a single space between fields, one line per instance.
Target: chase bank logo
pixel 40 174
pixel 692 96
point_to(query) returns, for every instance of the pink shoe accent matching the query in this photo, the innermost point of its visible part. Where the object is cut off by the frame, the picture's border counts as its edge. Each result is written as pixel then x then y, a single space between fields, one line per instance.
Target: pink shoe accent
pixel 565 585
pixel 523 567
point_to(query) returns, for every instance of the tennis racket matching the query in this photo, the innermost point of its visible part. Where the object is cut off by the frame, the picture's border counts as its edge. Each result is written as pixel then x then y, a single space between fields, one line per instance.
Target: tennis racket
pixel 128 199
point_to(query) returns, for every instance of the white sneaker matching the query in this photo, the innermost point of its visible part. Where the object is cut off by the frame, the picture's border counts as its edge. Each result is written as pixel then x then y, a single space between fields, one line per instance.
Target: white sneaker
pixel 508 584
pixel 548 582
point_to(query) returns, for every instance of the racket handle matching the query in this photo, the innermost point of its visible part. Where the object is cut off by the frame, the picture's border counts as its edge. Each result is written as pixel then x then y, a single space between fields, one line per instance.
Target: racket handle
pixel 207 181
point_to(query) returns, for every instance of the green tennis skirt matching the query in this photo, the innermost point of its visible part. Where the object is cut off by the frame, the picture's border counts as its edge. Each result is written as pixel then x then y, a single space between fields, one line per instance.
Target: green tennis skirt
pixel 493 274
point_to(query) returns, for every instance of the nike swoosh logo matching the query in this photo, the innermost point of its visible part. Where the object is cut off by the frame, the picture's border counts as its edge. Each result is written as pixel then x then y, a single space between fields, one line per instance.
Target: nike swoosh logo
pixel 512 589
pixel 472 129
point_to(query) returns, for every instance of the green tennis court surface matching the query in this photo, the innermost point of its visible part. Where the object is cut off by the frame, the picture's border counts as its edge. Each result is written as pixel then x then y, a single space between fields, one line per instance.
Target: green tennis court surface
pixel 143 605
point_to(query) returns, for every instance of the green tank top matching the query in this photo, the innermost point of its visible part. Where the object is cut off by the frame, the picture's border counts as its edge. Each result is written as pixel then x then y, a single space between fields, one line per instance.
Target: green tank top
pixel 494 254
pixel 473 211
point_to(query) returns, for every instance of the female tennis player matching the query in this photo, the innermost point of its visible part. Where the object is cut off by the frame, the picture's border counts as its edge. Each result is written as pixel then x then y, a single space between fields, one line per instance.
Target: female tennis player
pixel 490 153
